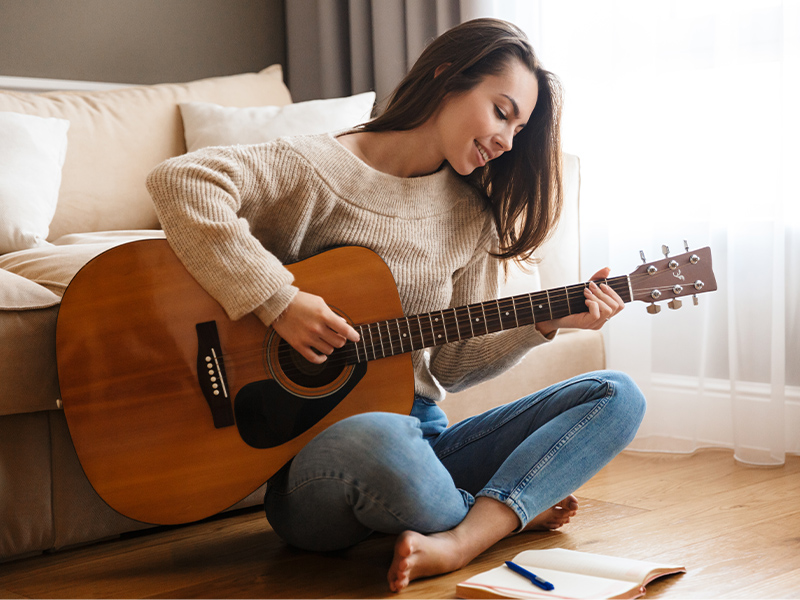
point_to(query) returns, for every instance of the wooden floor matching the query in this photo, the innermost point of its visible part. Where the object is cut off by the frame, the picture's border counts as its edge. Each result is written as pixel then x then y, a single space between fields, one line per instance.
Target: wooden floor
pixel 735 528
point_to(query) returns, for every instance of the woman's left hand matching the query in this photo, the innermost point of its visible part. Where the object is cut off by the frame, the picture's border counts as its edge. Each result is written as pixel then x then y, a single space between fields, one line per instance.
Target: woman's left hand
pixel 602 302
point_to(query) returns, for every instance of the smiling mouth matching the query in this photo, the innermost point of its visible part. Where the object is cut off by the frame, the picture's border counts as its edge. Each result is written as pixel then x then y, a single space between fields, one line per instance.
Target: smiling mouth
pixel 483 152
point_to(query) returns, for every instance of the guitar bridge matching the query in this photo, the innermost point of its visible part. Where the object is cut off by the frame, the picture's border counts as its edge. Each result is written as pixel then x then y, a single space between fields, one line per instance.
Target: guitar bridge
pixel 211 374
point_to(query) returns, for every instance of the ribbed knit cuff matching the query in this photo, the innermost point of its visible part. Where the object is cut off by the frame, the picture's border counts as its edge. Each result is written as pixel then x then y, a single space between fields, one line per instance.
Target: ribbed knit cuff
pixel 272 308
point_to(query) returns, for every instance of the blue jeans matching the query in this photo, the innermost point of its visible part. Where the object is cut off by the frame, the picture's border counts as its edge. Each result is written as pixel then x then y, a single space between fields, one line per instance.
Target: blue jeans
pixel 390 473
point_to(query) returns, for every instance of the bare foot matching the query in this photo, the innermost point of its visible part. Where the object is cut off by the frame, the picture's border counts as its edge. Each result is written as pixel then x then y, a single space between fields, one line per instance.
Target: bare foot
pixel 487 522
pixel 555 516
pixel 417 555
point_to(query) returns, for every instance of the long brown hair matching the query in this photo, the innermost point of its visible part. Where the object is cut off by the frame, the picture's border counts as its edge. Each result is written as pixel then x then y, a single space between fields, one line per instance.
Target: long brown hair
pixel 523 186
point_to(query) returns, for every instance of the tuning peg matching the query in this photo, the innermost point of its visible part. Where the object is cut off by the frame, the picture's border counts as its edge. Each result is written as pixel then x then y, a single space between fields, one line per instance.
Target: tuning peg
pixel 686 245
pixel 665 250
pixel 674 304
pixel 694 299
pixel 641 253
pixel 654 309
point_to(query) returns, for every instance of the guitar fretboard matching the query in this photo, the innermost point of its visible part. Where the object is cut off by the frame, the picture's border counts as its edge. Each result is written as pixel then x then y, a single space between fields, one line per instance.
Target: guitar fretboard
pixel 405 334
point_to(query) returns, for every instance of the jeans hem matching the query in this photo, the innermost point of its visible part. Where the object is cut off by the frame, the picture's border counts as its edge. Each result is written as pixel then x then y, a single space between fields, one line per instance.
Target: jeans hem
pixel 504 499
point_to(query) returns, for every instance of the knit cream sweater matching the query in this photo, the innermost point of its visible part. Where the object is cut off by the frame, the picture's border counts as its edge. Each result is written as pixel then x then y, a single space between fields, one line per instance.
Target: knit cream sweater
pixel 236 215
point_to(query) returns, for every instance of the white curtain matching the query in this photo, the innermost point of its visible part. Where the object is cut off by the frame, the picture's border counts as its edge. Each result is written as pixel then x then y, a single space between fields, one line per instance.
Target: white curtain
pixel 686 116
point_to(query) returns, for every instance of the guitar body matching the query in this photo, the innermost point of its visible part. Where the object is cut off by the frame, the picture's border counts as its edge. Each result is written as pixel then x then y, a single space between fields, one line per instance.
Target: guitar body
pixel 157 445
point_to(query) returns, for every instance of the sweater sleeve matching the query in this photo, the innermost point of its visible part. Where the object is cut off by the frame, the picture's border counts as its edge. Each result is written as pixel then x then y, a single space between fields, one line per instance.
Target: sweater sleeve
pixel 200 199
pixel 463 364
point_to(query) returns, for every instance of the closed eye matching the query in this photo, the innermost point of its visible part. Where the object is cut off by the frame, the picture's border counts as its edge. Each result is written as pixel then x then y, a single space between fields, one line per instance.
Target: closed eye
pixel 500 114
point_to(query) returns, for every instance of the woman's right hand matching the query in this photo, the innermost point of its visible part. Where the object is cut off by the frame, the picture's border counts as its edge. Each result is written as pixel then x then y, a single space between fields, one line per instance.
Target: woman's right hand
pixel 312 328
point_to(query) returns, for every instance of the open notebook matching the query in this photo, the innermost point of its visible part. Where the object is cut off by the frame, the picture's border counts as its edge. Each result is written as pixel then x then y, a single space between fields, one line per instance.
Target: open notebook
pixel 573 575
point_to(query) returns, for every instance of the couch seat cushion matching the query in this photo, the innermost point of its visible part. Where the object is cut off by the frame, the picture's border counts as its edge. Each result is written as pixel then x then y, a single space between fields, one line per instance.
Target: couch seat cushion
pixel 31 285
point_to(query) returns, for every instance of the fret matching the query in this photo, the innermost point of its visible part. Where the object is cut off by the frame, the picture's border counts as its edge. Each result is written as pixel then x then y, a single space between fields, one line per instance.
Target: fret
pixel 421 335
pixel 495 307
pixel 487 317
pixel 399 336
pixel 444 327
pixel 380 339
pixel 479 318
pixel 621 285
pixel 469 316
pixel 549 304
pixel 361 339
pixel 390 335
pixel 628 288
pixel 371 342
pixel 500 314
pixel 514 309
pixel 455 321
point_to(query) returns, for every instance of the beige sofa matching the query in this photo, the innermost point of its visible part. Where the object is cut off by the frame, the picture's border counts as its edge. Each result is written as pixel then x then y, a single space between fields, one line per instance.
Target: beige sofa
pixel 115 138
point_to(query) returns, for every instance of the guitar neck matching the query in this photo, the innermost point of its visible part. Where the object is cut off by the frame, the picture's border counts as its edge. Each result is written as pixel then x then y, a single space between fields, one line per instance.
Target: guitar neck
pixel 405 334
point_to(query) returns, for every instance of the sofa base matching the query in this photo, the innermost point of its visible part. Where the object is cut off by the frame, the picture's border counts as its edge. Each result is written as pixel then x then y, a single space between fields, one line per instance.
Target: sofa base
pixel 47 502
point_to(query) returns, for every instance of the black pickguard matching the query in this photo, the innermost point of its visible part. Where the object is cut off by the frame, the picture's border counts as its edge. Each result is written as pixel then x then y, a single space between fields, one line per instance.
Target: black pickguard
pixel 268 415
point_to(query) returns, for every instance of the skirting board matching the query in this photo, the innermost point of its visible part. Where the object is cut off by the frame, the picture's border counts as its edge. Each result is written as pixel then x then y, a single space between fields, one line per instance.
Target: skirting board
pixel 709 408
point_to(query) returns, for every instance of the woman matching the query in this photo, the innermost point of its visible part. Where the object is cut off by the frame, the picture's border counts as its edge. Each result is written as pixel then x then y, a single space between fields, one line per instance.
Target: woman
pixel 461 172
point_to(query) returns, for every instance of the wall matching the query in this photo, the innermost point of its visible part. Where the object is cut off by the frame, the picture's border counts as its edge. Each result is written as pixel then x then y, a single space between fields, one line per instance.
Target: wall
pixel 139 41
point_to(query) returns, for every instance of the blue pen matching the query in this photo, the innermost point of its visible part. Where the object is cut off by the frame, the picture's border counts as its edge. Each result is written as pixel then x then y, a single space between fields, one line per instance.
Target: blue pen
pixel 534 579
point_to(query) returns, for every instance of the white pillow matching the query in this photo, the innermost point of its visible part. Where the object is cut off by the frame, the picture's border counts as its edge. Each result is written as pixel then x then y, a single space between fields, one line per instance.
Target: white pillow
pixel 32 152
pixel 206 124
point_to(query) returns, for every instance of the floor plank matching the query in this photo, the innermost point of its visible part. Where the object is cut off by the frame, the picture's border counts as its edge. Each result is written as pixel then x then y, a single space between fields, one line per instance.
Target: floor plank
pixel 735 528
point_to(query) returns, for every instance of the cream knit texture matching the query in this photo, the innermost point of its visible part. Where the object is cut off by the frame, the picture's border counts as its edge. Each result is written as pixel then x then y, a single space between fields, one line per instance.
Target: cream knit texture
pixel 235 215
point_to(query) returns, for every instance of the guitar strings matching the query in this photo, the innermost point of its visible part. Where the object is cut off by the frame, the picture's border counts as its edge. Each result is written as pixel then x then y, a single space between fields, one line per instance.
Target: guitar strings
pixel 558 298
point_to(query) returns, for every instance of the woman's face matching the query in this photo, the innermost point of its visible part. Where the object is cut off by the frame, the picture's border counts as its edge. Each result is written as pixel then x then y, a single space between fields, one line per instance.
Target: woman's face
pixel 479 125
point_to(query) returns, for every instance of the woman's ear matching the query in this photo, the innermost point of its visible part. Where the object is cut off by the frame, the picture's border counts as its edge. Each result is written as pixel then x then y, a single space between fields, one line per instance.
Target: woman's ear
pixel 440 69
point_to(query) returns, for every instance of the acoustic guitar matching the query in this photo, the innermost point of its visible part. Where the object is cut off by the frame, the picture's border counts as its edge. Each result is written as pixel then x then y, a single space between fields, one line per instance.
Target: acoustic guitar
pixel 177 412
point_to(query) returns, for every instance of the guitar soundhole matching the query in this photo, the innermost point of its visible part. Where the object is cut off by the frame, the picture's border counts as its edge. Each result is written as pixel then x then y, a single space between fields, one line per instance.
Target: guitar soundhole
pixel 305 373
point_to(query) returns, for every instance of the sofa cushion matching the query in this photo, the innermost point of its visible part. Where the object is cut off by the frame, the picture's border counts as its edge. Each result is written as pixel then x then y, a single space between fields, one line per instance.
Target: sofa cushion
pixel 31 285
pixel 54 266
pixel 207 124
pixel 27 345
pixel 32 152
pixel 117 136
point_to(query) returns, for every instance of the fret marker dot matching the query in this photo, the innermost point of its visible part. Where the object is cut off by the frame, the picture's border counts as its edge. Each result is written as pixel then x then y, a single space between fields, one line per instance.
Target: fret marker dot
pixel 540 306
pixel 436 319
pixel 439 336
pixel 477 320
pixel 507 313
pixel 404 335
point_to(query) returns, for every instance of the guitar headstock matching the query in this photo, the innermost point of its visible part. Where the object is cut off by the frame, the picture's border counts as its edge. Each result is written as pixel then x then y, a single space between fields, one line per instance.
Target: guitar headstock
pixel 672 278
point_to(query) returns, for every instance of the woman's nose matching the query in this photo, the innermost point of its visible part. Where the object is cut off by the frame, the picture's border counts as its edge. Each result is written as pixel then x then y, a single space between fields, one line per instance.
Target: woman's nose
pixel 504 140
